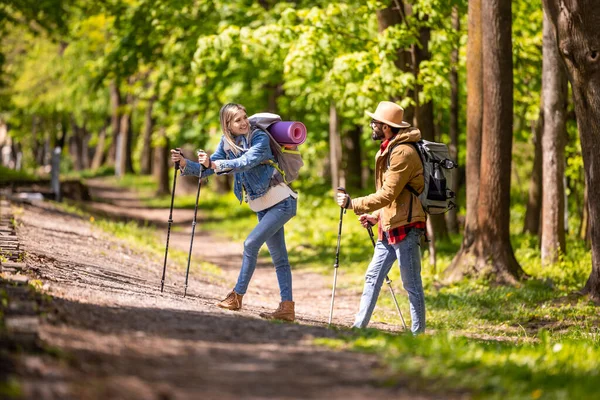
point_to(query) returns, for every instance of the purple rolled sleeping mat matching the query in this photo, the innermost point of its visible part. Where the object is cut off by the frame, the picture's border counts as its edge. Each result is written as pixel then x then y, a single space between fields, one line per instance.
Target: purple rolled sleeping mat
pixel 291 133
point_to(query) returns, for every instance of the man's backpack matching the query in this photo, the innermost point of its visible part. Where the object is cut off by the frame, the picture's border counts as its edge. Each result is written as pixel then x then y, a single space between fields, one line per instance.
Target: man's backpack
pixel 288 159
pixel 437 196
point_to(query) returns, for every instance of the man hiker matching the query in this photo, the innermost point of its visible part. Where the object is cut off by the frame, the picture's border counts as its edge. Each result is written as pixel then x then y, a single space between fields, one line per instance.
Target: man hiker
pixel 396 209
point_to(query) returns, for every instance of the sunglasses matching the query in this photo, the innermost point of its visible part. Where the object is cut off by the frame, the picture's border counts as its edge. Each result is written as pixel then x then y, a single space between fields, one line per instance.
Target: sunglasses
pixel 374 123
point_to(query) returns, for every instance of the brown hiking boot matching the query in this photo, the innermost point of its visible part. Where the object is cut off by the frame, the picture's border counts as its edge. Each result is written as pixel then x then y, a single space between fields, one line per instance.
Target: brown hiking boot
pixel 233 301
pixel 285 312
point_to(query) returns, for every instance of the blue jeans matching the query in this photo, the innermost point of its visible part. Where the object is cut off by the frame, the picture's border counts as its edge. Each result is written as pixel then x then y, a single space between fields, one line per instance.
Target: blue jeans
pixel 408 254
pixel 269 230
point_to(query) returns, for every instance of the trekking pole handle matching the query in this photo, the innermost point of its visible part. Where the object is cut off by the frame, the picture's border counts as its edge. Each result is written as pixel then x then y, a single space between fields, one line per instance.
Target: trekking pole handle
pixel 342 189
pixel 177 163
pixel 202 167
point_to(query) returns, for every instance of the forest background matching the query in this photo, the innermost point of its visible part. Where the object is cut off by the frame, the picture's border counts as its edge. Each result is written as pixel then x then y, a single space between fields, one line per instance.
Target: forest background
pixel 116 84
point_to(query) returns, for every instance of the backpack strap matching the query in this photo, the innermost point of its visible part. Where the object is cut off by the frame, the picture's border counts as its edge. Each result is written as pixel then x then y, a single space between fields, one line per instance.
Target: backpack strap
pixel 410 188
pixel 270 162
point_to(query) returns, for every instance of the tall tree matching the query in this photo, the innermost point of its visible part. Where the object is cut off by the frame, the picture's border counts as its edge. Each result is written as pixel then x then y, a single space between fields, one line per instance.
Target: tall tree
pixel 160 164
pixel 352 158
pixel 115 118
pixel 554 84
pixel 395 14
pixel 335 148
pixel 125 164
pixel 534 199
pixel 474 130
pixel 76 144
pixel 99 150
pixel 577 36
pixel 584 227
pixel 425 122
pixel 492 250
pixel 146 156
pixel 451 216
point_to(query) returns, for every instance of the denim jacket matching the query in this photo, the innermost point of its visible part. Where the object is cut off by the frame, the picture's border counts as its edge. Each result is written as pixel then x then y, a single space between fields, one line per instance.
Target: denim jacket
pixel 247 168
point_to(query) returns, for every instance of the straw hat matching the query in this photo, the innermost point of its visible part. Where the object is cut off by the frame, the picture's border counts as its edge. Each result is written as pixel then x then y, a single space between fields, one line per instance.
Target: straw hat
pixel 389 113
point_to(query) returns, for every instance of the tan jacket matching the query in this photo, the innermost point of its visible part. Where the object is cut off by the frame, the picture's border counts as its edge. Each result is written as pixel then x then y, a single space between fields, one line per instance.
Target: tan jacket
pixel 392 199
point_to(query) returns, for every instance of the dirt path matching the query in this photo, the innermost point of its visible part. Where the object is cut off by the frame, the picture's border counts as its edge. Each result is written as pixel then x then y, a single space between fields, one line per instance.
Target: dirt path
pixel 312 292
pixel 115 336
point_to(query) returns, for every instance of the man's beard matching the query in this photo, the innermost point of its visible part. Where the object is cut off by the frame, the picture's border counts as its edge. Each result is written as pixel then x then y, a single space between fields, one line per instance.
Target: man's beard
pixel 377 135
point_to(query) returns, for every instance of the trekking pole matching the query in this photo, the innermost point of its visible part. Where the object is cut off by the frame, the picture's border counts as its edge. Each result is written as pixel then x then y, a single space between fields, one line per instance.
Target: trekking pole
pixel 337 256
pixel 170 222
pixel 187 273
pixel 388 280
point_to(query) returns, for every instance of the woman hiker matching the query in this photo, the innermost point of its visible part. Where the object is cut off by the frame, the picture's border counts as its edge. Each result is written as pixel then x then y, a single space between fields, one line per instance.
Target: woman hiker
pixel 242 153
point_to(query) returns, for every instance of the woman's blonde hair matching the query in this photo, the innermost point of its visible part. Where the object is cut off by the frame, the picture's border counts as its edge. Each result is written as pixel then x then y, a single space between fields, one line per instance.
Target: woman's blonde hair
pixel 226 115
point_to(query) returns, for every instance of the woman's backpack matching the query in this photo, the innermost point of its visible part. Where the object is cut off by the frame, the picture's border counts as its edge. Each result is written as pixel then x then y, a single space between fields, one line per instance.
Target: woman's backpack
pixel 288 159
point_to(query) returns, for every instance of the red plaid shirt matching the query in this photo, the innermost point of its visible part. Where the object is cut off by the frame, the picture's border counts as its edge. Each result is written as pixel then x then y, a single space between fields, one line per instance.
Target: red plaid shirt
pixel 396 235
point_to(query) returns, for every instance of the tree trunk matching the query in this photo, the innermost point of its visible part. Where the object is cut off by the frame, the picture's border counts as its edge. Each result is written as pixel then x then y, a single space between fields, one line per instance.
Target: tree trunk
pixel 534 201
pixel 474 117
pixel 577 35
pixel 125 165
pixel 390 16
pixel 146 156
pixel 352 159
pixel 451 215
pixel 76 145
pixel 37 142
pixel 493 254
pixel 274 91
pixel 367 172
pixel 115 118
pixel 474 133
pixel 335 149
pixel 85 149
pixel 222 183
pixel 99 152
pixel 425 123
pixel 584 227
pixel 161 164
pixel 554 87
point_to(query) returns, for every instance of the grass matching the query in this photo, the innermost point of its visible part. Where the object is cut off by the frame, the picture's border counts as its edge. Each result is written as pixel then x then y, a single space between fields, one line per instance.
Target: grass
pixel 443 362
pixel 9 175
pixel 85 174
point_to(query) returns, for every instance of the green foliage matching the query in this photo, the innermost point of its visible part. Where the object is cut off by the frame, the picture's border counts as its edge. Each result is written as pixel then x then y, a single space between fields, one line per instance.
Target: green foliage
pixel 44 14
pixel 296 58
pixel 9 175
